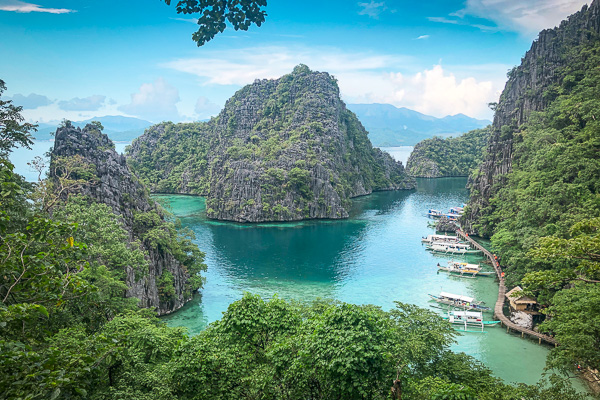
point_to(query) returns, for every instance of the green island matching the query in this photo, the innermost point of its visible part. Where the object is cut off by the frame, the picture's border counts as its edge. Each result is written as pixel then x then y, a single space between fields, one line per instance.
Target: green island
pixel 90 260
pixel 437 157
pixel 281 150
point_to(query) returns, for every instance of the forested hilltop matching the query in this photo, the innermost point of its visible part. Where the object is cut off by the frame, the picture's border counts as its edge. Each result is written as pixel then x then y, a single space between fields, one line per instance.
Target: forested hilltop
pixel 437 157
pixel 537 191
pixel 280 150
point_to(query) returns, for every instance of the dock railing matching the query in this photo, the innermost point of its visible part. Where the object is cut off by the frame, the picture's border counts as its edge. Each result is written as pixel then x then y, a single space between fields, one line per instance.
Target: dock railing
pixel 499 307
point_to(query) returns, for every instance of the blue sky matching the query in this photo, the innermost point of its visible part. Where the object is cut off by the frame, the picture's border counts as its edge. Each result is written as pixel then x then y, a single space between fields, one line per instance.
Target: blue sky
pixel 80 59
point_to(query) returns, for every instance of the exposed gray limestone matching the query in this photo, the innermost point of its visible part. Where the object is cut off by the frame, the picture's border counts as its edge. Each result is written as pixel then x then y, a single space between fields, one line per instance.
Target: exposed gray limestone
pixel 120 189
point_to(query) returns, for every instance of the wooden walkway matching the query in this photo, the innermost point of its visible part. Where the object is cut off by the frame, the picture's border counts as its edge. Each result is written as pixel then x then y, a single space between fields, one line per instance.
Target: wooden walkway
pixel 499 307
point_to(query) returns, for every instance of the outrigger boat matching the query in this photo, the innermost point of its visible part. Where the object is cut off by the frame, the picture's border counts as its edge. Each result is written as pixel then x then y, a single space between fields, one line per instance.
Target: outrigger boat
pixel 464 269
pixel 456 300
pixel 434 213
pixel 468 318
pixel 453 248
pixel 456 210
pixel 440 239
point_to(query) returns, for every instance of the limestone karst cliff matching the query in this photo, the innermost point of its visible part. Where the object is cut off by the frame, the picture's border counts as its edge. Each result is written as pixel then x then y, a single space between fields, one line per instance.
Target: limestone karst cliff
pixel 544 74
pixel 280 150
pixel 112 183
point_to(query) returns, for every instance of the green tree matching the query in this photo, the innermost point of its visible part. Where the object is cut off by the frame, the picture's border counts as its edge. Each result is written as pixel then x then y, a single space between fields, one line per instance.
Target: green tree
pixel 241 14
pixel 13 132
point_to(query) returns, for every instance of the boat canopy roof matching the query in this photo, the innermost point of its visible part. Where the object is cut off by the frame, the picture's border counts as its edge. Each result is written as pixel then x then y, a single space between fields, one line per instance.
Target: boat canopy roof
pixel 475 314
pixel 464 265
pixel 457 297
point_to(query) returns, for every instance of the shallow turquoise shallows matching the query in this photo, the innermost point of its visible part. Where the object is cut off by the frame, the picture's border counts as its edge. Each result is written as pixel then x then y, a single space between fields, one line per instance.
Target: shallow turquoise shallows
pixel 373 257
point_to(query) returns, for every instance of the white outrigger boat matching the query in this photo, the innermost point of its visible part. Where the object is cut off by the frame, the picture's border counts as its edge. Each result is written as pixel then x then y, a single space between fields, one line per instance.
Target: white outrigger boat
pixel 456 300
pixel 465 269
pixel 440 239
pixel 452 248
pixel 434 213
pixel 456 210
pixel 468 318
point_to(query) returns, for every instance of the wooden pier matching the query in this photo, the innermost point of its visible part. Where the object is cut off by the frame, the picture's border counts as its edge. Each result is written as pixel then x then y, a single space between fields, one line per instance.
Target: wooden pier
pixel 498 308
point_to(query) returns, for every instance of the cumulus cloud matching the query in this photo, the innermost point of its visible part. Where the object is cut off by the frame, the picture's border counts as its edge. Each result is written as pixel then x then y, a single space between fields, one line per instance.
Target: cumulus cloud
pixel 205 108
pixel 31 101
pixel 154 101
pixel 526 17
pixel 441 93
pixel 372 9
pixel 23 7
pixel 362 77
pixel 91 103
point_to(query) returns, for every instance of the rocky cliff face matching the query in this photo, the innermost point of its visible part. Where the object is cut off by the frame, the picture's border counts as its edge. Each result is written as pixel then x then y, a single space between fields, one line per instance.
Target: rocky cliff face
pixel 115 185
pixel 531 87
pixel 280 150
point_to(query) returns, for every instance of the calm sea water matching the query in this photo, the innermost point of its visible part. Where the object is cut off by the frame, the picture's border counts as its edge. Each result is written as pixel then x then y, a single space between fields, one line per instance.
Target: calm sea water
pixel 400 153
pixel 374 257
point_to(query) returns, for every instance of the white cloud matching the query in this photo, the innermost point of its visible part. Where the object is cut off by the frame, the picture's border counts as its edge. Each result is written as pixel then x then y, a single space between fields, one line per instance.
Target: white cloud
pixel 31 101
pixel 243 66
pixel 526 17
pixel 154 101
pixel 91 103
pixel 362 77
pixel 372 9
pixel 443 20
pixel 441 93
pixel 190 20
pixel 205 108
pixel 458 20
pixel 22 7
pixel 422 37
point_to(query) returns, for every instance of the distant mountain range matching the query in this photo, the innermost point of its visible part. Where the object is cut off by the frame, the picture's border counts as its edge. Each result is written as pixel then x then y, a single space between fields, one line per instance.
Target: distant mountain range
pixel 387 125
pixel 391 126
pixel 118 128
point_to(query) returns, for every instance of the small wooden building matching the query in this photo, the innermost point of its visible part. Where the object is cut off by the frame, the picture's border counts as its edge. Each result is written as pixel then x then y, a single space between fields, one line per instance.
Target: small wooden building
pixel 521 302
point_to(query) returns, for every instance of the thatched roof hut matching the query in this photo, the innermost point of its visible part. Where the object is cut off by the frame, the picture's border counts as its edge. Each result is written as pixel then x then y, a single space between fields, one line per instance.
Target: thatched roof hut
pixel 520 302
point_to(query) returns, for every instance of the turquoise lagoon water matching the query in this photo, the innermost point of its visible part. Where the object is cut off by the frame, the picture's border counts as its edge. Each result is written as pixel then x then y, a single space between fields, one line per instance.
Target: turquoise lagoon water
pixel 374 257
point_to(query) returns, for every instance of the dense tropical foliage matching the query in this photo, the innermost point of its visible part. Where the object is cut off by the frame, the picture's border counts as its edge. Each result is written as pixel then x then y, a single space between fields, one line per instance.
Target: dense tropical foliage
pixel 214 15
pixel 544 217
pixel 437 157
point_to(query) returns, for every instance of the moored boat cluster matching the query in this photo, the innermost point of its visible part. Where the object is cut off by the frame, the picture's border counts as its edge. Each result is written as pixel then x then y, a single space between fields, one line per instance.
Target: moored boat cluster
pixel 463 311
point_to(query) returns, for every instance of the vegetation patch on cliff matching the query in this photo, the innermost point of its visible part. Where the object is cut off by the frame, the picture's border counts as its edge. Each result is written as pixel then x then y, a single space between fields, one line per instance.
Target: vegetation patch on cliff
pixel 437 157
pixel 280 150
pixel 537 194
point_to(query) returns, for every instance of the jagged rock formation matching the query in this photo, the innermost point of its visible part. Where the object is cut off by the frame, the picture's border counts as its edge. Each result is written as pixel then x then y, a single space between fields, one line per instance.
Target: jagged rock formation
pixel 280 150
pixel 531 87
pixel 115 185
pixel 437 157
pixel 444 224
